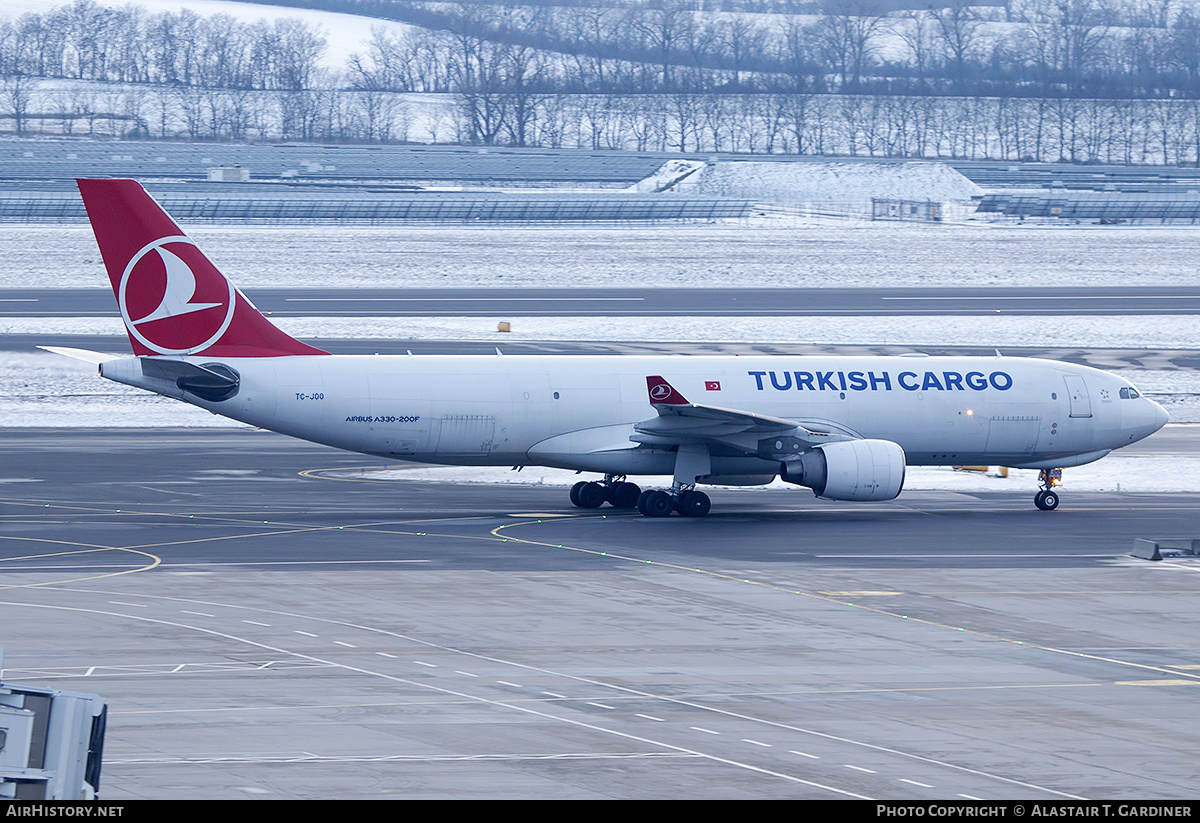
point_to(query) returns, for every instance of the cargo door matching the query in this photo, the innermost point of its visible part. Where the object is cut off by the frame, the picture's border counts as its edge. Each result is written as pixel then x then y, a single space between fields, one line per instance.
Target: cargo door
pixel 1013 434
pixel 466 434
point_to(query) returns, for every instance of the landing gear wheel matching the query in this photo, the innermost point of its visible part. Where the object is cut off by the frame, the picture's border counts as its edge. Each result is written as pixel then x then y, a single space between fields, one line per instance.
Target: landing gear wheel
pixel 575 492
pixel 625 495
pixel 641 501
pixel 656 504
pixel 694 504
pixel 1046 500
pixel 591 496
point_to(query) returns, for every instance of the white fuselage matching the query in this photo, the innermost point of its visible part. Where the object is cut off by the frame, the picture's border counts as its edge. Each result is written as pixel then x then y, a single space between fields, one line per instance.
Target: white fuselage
pixel 578 412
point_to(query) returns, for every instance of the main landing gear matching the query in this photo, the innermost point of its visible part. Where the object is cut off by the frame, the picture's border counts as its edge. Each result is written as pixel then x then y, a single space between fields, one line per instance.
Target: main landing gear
pixel 613 490
pixel 1047 498
pixel 691 463
pixel 686 501
pixel 619 494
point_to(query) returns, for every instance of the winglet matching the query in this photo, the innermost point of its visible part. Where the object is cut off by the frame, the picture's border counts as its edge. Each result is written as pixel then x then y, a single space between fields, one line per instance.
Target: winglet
pixel 663 393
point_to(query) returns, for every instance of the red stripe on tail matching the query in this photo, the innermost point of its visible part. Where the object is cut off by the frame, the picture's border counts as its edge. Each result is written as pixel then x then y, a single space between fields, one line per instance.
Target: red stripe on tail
pixel 172 298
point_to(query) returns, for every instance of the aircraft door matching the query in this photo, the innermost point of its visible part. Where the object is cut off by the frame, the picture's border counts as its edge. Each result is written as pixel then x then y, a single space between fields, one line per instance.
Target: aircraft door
pixel 1013 433
pixel 466 434
pixel 1081 403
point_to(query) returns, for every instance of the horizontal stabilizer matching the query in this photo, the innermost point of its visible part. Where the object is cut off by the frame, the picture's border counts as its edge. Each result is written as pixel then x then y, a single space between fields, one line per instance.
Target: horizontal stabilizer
pixel 86 355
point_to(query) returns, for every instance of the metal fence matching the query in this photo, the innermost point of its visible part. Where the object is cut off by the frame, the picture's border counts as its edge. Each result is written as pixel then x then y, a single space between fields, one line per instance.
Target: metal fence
pixel 1105 207
pixel 367 208
pixel 469 165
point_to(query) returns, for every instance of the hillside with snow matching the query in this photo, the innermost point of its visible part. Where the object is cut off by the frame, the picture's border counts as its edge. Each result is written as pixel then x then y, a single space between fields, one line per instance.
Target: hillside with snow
pixel 346 34
pixel 846 182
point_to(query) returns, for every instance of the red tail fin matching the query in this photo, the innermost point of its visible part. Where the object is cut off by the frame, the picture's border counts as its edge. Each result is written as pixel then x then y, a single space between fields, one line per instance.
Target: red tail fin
pixel 173 300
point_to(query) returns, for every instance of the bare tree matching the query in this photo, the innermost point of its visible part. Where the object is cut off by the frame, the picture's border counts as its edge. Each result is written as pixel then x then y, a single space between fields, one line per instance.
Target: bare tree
pixel 919 33
pixel 667 27
pixel 1064 39
pixel 847 37
pixel 16 91
pixel 1184 49
pixel 797 51
pixel 741 41
pixel 959 27
pixel 591 31
pixel 295 50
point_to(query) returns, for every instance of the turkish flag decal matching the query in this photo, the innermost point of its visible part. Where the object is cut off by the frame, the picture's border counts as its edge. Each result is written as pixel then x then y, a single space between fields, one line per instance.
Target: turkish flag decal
pixel 712 385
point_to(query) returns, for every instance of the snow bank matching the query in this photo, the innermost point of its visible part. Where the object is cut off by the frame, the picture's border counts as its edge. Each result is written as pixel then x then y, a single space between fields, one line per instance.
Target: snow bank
pixel 1147 332
pixel 845 182
pixel 670 173
pixel 1115 473
pixel 843 254
pixel 42 389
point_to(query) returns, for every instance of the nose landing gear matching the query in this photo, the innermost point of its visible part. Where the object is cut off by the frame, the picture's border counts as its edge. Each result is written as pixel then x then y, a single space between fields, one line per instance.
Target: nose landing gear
pixel 1047 498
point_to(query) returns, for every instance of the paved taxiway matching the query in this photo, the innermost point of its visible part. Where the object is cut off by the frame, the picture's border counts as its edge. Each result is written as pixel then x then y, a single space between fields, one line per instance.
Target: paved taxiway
pixel 267 619
pixel 632 302
pixel 346 303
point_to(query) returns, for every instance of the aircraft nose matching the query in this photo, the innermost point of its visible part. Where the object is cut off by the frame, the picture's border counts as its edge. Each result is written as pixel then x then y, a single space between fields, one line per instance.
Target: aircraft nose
pixel 1150 418
pixel 1142 419
pixel 1160 416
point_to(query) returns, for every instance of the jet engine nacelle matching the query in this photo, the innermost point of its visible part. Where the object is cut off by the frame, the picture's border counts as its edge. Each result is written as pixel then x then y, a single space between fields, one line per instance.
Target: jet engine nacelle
pixel 849 470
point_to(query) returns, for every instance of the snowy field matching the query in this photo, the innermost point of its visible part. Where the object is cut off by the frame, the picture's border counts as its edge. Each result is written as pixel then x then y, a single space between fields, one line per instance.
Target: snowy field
pixel 45 390
pixel 40 389
pixel 751 253
pixel 1112 474
pixel 844 181
pixel 1168 331
pixel 345 33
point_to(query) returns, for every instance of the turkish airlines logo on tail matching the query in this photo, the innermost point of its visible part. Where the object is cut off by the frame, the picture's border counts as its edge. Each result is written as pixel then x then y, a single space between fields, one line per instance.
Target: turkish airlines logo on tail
pixel 173 300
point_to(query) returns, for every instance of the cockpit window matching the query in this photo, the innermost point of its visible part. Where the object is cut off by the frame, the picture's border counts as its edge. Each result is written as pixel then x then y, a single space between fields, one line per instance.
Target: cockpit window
pixel 1129 393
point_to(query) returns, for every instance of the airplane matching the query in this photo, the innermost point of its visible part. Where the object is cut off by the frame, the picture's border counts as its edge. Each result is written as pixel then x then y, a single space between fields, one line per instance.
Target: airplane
pixel 844 427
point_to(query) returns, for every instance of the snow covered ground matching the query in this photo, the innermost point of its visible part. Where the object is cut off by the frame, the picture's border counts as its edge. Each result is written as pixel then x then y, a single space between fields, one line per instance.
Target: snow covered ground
pixel 45 390
pixel 40 389
pixel 345 33
pixel 833 181
pixel 759 253
pixel 1115 473
pixel 1168 331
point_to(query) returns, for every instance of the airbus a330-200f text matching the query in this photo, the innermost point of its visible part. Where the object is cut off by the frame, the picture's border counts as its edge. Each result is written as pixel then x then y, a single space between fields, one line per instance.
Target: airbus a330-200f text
pixel 844 427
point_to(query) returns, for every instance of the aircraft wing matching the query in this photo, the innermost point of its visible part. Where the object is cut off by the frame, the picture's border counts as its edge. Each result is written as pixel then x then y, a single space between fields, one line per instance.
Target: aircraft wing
pixel 680 422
